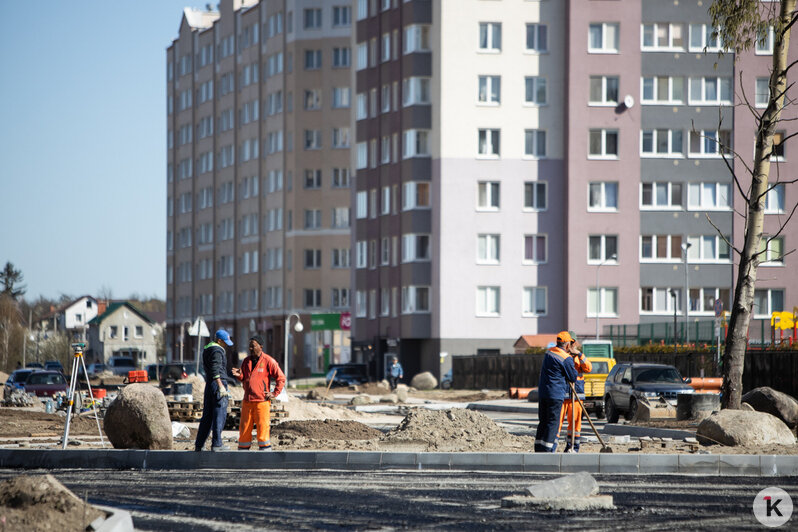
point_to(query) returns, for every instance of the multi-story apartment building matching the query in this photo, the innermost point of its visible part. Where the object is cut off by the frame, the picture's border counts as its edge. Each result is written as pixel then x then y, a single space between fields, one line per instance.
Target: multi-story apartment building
pixel 258 126
pixel 526 166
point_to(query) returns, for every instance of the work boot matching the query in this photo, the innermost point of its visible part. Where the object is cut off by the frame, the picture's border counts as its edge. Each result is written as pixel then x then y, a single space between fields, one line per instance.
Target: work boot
pixel 220 448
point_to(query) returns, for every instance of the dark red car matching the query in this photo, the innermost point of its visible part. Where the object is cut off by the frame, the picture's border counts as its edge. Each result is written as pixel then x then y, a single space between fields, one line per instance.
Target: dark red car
pixel 45 383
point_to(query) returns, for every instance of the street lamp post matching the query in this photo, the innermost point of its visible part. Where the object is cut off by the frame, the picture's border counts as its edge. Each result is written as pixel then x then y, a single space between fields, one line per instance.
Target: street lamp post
pixel 612 257
pixel 182 338
pixel 673 295
pixel 685 247
pixel 298 327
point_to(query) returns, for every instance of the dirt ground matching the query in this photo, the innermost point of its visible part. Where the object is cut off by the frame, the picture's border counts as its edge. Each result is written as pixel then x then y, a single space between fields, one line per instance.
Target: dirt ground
pixel 23 423
pixel 40 502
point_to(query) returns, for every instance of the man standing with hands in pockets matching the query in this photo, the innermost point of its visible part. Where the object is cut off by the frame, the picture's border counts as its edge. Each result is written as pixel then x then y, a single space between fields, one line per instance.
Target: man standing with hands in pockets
pixel 256 373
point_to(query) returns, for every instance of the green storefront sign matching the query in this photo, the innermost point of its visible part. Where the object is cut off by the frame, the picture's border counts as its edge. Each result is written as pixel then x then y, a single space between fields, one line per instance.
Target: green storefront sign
pixel 325 322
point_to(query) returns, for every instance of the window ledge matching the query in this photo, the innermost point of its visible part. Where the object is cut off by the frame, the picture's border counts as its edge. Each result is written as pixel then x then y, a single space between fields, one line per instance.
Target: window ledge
pixel 661 155
pixel 532 315
pixel 602 157
pixel 599 51
pixel 488 157
pixel 610 105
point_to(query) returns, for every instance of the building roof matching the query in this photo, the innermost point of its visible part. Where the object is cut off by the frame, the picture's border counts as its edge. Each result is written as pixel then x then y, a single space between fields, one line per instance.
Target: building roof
pixel 533 340
pixel 113 307
pixel 199 19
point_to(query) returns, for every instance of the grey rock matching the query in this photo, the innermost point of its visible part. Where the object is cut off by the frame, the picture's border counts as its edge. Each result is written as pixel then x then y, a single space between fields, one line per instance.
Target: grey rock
pixel 580 484
pixel 746 406
pixel 139 419
pixel 424 381
pixel 741 427
pixel 391 398
pixel 781 405
pixel 360 400
pixel 401 394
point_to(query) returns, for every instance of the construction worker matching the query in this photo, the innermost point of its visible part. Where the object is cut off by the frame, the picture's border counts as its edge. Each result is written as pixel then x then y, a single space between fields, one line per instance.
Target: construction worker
pixel 214 405
pixel 570 406
pixel 555 374
pixel 257 373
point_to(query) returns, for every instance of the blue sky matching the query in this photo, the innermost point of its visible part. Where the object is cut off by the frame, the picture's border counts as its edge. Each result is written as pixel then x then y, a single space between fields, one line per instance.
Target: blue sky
pixel 82 144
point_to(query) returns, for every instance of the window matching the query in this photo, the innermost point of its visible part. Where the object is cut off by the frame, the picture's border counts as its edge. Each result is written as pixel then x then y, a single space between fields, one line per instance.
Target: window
pixel 312 218
pixel 661 143
pixel 415 248
pixel 603 303
pixel 312 259
pixel 535 197
pixel 536 38
pixel 341 57
pixel 661 247
pixel 312 59
pixel 488 196
pixel 385 98
pixel 342 16
pixel 702 300
pixel 660 300
pixel 340 137
pixel 762 95
pixel 708 196
pixel 312 179
pixel 663 37
pixel 771 250
pixel 663 90
pixel 535 90
pixel 710 91
pixel 311 19
pixel 602 196
pixel 385 48
pixel 312 298
pixel 415 299
pixel 534 301
pixel 417 38
pixel 312 139
pixel 114 331
pixel 488 249
pixel 415 143
pixel 385 251
pixel 535 143
pixel 708 248
pixel 535 249
pixel 490 36
pixel 603 144
pixel 766 302
pixel 489 89
pixel 362 106
pixel 488 300
pixel 340 258
pixel 764 43
pixel 777 151
pixel 360 303
pixel 340 298
pixel 702 38
pixel 340 98
pixel 415 195
pixel 603 38
pixel 385 203
pixel 385 302
pixel 312 99
pixel 362 56
pixel 385 150
pixel 661 195
pixel 340 178
pixel 710 143
pixel 361 155
pixel 361 254
pixel 603 90
pixel 362 9
pixel 415 91
pixel 774 200
pixel 488 143
pixel 602 248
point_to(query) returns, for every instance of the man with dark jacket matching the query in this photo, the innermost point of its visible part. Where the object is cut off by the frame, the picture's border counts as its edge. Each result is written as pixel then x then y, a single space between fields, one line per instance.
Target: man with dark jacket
pixel 555 374
pixel 214 406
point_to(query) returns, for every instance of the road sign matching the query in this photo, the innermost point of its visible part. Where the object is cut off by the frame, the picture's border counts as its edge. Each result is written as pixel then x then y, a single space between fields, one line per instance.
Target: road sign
pixel 199 324
pixel 718 307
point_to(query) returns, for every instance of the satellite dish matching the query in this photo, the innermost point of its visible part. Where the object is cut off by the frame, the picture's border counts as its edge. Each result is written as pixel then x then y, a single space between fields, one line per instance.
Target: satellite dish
pixel 628 101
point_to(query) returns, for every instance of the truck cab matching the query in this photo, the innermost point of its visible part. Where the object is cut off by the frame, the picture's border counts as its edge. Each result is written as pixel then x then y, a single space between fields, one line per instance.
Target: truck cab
pixel 600 354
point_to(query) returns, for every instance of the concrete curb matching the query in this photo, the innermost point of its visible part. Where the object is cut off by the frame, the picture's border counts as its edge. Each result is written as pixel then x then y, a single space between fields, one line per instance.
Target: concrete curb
pixel 653 432
pixel 117 521
pixel 691 464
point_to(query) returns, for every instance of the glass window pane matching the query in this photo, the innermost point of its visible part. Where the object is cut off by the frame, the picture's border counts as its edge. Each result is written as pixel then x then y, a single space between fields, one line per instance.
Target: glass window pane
pixel 594 248
pixel 725 89
pixel 662 246
pixel 723 249
pixel 696 33
pixel 676 141
pixel 709 247
pixel 662 194
pixel 610 301
pixel 595 142
pixel 695 89
pixel 595 36
pixel 529 248
pixel 497 36
pixel 676 194
pixel 776 301
pixel 611 37
pixel 708 195
pixel 648 88
pixel 648 141
pixel 591 301
pixel 647 193
pixel 760 301
pixel 676 246
pixel 540 301
pixel 611 191
pixel 710 89
pixel 612 89
pixel 645 247
pixel 662 88
pixel 594 195
pixel 610 246
pixel 677 89
pixel 541 249
pixel 612 143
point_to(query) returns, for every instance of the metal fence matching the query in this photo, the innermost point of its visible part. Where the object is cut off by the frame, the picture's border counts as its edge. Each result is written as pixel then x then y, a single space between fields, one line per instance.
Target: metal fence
pixel 701 332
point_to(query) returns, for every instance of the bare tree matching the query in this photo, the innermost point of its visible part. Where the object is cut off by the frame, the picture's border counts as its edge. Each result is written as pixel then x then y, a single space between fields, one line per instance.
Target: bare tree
pixel 741 23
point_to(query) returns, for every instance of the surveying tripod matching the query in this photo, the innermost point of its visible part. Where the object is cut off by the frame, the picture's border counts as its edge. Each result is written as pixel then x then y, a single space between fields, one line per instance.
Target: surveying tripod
pixel 77 363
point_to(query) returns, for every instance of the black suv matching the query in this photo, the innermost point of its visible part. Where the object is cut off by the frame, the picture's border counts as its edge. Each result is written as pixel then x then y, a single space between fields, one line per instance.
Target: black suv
pixel 627 383
pixel 347 374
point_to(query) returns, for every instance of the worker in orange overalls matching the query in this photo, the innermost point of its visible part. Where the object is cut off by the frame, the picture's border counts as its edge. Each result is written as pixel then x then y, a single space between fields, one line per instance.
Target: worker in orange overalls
pixel 257 373
pixel 570 406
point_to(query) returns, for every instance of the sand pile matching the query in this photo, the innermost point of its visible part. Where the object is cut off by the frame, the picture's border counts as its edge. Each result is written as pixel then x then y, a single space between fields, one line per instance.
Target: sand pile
pixel 329 429
pixel 40 502
pixel 302 410
pixel 454 430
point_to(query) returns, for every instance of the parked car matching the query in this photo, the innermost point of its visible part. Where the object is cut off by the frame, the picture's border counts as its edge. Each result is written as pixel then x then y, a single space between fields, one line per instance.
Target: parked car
pixel 34 365
pixel 15 381
pixel 53 365
pixel 154 371
pixel 628 383
pixel 46 383
pixel 347 374
pixel 121 365
pixel 95 369
pixel 446 380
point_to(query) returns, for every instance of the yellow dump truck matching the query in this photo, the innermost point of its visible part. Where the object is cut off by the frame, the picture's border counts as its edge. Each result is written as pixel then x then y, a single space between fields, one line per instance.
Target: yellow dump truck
pixel 599 352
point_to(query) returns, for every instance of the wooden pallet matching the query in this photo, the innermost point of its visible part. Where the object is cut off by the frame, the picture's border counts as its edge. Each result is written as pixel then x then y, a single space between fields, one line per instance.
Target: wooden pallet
pixel 188 411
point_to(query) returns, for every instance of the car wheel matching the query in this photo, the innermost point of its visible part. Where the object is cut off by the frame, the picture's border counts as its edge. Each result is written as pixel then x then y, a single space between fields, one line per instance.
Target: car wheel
pixel 632 409
pixel 612 410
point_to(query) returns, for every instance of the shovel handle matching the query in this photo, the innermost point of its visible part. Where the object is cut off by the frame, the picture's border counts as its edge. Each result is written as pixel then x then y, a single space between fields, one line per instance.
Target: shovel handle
pixel 592 426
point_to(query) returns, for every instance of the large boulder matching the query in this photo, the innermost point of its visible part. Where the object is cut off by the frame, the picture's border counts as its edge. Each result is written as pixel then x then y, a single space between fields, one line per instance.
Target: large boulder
pixel 744 428
pixel 401 393
pixel 139 419
pixel 360 400
pixel 781 405
pixel 424 381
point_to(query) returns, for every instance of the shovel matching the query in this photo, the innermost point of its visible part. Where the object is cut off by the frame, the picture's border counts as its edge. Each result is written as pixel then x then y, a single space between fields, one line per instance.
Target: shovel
pixel 604 447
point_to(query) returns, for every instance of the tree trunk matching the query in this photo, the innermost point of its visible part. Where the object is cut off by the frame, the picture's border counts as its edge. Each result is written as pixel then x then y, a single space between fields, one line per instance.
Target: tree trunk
pixel 737 337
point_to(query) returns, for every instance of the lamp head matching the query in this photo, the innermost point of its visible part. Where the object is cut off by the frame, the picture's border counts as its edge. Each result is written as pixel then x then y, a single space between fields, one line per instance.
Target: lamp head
pixel 299 327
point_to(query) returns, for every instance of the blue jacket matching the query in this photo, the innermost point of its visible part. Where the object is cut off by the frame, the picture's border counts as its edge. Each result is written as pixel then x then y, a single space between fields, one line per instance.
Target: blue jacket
pixel 395 370
pixel 555 374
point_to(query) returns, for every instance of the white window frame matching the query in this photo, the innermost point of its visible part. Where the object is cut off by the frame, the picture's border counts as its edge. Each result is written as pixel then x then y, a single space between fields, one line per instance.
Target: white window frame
pixel 655 206
pixel 488 143
pixel 415 91
pixel 702 82
pixel 605 101
pixel 485 295
pixel 490 191
pixel 603 207
pixel 411 300
pixel 703 32
pixel 536 85
pixel 539 189
pixel 762 97
pixel 488 249
pixel 489 90
pixel 704 137
pixel 675 146
pixel 410 195
pixel 606 47
pixel 538 138
pixel 700 203
pixel 655 47
pixel 602 300
pixel 529 298
pixel 774 199
pixel 657 98
pixel 659 294
pixel 669 241
pixel 535 259
pixel 604 253
pixel 415 143
pixel 538 34
pixel 490 31
pixel 696 252
pixel 770 298
pixel 604 133
pixel 767 47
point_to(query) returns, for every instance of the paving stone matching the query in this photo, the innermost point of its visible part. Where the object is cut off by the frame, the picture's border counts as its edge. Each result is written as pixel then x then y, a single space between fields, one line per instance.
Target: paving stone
pixel 595 502
pixel 619 439
pixel 580 484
